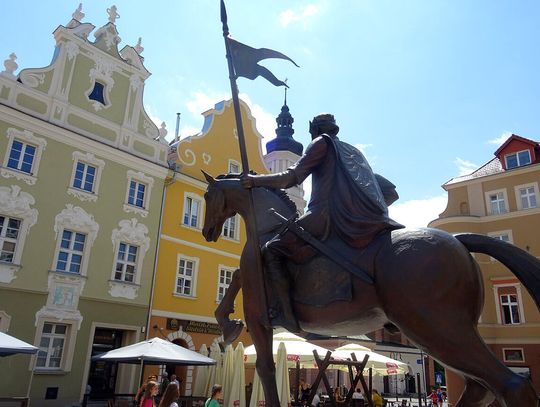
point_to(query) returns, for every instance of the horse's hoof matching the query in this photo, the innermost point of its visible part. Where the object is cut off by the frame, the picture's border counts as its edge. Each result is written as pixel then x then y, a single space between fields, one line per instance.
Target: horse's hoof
pixel 232 330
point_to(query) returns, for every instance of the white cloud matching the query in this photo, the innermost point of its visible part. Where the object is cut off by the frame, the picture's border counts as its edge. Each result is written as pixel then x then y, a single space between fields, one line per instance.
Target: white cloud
pixel 501 139
pixel 265 121
pixel 465 167
pixel 201 102
pixel 307 188
pixel 372 159
pixel 186 131
pixel 302 15
pixel 418 212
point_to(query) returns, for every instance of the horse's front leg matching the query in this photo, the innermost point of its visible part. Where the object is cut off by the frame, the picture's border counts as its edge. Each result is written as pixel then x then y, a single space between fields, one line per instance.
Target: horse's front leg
pixel 231 329
pixel 260 334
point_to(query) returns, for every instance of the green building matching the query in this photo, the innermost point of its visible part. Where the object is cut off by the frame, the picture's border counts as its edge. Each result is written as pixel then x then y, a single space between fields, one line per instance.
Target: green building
pixel 82 175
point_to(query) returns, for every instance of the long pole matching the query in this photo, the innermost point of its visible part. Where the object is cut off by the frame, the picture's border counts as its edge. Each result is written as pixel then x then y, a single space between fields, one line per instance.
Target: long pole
pixel 255 285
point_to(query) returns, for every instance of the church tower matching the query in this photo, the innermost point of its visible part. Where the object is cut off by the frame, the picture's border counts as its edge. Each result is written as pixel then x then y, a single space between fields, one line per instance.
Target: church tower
pixel 283 151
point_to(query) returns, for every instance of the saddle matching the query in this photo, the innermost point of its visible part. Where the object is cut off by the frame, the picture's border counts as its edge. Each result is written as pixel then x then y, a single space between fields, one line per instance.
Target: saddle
pixel 319 281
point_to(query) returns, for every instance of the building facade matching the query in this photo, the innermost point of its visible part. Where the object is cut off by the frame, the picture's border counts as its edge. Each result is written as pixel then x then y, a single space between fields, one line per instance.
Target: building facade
pixel 192 274
pixel 501 199
pixel 81 184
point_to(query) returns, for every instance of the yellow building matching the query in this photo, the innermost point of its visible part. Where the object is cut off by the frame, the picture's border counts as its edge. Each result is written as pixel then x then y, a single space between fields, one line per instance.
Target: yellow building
pixel 192 275
pixel 501 199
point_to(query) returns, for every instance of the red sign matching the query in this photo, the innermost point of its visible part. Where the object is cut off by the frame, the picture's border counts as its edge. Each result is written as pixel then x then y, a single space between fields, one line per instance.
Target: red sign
pixel 293 358
pixel 236 402
pixel 391 371
pixel 261 403
pixel 391 365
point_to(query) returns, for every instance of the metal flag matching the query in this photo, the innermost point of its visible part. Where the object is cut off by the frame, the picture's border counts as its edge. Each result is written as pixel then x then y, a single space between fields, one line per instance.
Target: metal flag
pixel 245 58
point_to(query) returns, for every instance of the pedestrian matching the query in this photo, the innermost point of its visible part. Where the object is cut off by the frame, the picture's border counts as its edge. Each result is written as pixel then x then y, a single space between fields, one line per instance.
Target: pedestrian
pixel 170 396
pixel 358 398
pixel 150 392
pixel 217 394
pixel 439 397
pixel 175 380
pixel 377 399
pixel 433 398
pixel 316 401
pixel 142 389
pixel 164 383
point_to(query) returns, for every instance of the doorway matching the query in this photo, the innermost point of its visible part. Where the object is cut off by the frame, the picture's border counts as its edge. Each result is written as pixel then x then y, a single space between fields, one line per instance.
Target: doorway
pixel 102 376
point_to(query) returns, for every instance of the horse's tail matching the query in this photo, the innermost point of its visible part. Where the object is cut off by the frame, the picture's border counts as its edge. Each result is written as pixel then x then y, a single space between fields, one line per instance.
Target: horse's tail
pixel 525 266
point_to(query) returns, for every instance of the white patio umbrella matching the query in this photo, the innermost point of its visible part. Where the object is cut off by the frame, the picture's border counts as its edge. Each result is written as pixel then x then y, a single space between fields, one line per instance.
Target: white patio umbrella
pixel 298 350
pixel 257 392
pixel 238 385
pixel 215 353
pixel 379 363
pixel 228 372
pixel 155 351
pixel 9 345
pixel 282 377
pixel 201 375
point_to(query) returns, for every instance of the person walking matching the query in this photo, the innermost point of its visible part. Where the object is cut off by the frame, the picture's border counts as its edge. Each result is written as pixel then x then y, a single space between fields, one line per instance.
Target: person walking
pixel 377 399
pixel 170 396
pixel 217 394
pixel 151 390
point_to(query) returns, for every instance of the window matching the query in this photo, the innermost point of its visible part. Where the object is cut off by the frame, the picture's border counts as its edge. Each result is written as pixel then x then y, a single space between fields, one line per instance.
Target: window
pixel 234 167
pixel 510 309
pixel 185 278
pixel 136 193
pixel 139 188
pixel 224 280
pixel 505 237
pixel 70 253
pixel 191 211
pixel 9 233
pixel 97 93
pixel 528 197
pixel 513 355
pixel 21 156
pixel 51 346
pixel 518 159
pixel 230 227
pixel 497 203
pixel 84 177
pixel 126 262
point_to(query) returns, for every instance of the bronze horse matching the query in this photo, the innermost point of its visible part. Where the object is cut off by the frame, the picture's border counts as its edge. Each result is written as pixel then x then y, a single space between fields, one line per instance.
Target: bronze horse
pixel 405 261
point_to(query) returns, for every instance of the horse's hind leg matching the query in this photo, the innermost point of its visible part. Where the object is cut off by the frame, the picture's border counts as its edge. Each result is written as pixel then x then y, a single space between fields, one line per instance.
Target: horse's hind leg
pixel 468 354
pixel 475 395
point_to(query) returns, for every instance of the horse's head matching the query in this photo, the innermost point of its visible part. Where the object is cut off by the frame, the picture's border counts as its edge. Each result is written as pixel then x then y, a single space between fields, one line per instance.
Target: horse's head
pixel 216 211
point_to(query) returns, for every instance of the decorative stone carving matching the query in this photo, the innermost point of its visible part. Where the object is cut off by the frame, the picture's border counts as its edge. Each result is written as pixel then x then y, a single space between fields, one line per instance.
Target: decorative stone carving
pixel 82 195
pixel 135 233
pixel 102 71
pixel 76 218
pixel 135 82
pixel 10 65
pixel 121 289
pixel 206 158
pixel 132 232
pixel 32 80
pixel 78 14
pixel 109 35
pixel 82 30
pixel 72 50
pixel 139 47
pixel 190 158
pixel 162 133
pixel 17 204
pixel 113 15
pixel 150 129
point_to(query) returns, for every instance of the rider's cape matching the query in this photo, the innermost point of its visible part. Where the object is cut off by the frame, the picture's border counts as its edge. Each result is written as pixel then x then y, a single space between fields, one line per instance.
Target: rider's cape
pixel 358 209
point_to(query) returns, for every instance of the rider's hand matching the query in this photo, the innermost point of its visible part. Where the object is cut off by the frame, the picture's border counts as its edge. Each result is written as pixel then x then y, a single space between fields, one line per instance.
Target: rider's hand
pixel 247 181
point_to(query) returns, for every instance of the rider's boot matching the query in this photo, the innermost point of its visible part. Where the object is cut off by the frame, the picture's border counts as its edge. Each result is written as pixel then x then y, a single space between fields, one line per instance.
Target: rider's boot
pixel 283 314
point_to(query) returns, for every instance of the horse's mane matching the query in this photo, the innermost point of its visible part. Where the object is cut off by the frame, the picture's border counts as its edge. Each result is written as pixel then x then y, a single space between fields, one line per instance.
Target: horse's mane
pixel 280 193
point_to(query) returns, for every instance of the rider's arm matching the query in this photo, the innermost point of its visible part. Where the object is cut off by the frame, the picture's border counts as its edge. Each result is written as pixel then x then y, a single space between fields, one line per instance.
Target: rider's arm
pixel 295 175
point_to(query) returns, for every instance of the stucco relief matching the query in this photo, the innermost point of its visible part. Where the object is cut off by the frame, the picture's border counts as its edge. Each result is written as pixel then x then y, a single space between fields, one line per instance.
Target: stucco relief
pixel 72 50
pixel 135 233
pixel 189 155
pixel 76 218
pixel 16 203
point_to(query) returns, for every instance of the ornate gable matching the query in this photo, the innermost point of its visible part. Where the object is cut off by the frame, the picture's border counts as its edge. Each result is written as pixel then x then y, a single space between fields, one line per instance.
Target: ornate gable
pixel 89 87
pixel 215 148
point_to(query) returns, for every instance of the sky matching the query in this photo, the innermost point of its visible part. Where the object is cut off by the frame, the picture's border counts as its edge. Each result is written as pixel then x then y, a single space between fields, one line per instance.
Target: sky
pixel 426 89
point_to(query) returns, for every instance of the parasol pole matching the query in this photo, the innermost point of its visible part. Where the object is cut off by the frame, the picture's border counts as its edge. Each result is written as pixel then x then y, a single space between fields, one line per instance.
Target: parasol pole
pixel 256 284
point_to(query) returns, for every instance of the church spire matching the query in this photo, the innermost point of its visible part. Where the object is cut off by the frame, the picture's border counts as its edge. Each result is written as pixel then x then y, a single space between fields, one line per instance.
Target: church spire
pixel 284 132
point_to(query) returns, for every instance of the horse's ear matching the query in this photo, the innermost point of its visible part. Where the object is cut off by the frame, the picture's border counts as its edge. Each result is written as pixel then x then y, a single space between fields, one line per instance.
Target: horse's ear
pixel 208 177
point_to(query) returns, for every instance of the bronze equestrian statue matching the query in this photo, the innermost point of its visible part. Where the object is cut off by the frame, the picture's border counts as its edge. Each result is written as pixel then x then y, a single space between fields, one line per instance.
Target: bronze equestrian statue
pixel 349 278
